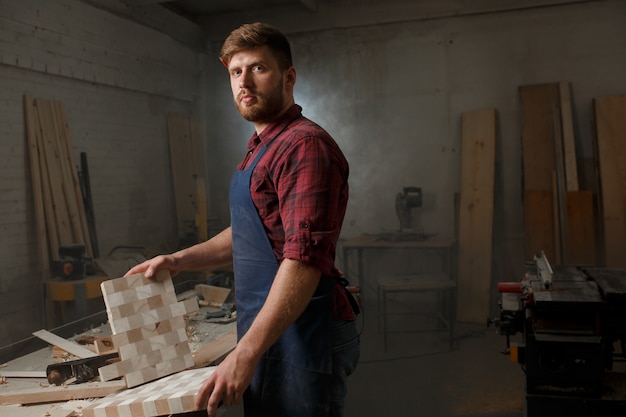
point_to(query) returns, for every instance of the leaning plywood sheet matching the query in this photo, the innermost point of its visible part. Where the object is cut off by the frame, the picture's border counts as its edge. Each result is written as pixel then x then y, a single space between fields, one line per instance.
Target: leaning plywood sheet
pixel 169 395
pixel 610 114
pixel 476 214
pixel 148 328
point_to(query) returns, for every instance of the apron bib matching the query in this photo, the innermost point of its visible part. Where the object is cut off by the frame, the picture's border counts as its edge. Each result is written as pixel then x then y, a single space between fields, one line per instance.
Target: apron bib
pixel 293 377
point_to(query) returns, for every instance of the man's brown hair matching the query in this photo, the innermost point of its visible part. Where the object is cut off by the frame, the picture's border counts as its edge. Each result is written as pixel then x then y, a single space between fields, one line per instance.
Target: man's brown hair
pixel 255 35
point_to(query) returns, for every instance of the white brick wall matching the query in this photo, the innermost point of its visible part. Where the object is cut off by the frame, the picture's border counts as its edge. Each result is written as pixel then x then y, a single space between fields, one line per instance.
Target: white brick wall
pixel 117 81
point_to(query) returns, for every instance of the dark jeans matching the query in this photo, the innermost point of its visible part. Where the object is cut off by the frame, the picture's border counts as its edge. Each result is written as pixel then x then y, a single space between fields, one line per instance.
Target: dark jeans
pixel 346 352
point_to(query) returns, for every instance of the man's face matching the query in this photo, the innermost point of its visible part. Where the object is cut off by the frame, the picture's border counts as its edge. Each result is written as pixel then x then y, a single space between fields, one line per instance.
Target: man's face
pixel 258 85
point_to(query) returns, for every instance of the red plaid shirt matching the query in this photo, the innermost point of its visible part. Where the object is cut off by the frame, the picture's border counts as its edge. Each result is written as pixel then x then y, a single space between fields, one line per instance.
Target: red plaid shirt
pixel 300 190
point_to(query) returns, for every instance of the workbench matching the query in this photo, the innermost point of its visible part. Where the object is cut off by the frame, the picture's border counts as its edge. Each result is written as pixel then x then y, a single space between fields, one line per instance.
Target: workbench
pixel 70 298
pixel 444 247
pixel 24 377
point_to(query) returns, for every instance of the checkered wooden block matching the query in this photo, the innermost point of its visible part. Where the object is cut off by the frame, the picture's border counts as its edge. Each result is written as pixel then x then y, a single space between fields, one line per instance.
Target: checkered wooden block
pixel 148 328
pixel 169 395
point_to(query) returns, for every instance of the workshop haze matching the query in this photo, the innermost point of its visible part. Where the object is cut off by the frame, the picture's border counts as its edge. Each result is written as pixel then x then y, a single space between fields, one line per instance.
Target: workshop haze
pixel 483 238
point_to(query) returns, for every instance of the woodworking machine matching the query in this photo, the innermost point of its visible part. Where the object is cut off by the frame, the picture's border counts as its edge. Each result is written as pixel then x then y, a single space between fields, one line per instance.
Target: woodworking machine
pixel 572 325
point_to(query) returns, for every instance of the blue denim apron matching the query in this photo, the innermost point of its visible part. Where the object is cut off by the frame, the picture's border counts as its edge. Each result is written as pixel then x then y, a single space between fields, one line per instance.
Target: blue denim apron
pixel 293 377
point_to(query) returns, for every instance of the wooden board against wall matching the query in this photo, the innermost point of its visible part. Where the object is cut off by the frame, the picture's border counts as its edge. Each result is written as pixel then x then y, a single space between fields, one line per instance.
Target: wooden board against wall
pixel 188 173
pixel 538 104
pixel 610 120
pixel 476 215
pixel 581 221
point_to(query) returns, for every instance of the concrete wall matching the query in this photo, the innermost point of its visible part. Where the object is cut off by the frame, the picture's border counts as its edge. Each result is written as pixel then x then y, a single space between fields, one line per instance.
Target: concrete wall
pixel 392 96
pixel 117 80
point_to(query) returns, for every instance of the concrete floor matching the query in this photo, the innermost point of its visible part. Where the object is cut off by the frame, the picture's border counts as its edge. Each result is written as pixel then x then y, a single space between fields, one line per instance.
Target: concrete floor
pixel 418 375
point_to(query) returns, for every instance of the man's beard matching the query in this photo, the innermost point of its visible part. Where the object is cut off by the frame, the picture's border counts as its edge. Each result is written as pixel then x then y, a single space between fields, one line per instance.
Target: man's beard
pixel 267 107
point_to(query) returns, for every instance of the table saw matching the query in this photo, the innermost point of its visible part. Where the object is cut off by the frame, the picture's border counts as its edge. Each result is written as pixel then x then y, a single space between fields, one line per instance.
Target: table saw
pixel 570 324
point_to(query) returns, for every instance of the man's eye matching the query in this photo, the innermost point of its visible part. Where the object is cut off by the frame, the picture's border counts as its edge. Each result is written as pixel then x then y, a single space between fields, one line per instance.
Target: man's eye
pixel 258 68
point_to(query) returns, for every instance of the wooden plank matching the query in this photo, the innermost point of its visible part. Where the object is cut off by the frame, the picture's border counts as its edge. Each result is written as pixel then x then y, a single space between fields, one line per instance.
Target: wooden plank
pixel 212 293
pixel 71 347
pixel 169 395
pixel 55 173
pixel 51 226
pixel 559 193
pixel 66 177
pixel 539 224
pixel 216 350
pixel 181 154
pixel 537 103
pixel 38 410
pixel 55 393
pixel 476 214
pixel 581 248
pixel 569 145
pixel 74 192
pixel 23 374
pixel 35 174
pixel 610 118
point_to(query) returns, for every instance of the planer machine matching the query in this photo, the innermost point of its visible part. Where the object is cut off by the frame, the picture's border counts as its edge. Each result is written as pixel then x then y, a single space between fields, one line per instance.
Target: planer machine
pixel 570 323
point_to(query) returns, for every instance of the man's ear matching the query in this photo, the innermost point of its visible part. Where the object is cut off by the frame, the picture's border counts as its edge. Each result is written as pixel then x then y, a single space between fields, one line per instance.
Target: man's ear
pixel 290 76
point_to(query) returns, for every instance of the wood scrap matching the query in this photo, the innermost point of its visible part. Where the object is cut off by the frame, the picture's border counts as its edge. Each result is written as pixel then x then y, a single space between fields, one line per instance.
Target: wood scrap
pixel 214 351
pixel 39 410
pixel 71 347
pixel 55 393
pixel 213 295
pixel 23 374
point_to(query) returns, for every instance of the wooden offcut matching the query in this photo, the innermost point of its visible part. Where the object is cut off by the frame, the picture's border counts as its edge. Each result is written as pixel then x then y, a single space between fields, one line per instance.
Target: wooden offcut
pixel 71 347
pixel 61 393
pixel 476 215
pixel 610 118
pixel 148 328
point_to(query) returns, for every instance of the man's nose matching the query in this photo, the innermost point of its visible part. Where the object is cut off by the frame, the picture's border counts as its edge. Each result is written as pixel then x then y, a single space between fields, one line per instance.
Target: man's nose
pixel 245 79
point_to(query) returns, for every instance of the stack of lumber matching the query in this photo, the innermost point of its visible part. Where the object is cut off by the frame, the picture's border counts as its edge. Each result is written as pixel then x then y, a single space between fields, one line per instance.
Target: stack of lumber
pixel 59 209
pixel 559 217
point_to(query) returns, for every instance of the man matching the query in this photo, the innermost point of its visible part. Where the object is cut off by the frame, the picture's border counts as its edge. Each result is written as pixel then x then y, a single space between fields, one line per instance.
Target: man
pixel 297 341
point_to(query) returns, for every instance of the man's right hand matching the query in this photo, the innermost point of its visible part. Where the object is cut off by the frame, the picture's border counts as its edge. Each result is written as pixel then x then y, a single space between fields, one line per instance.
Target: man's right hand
pixel 150 266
